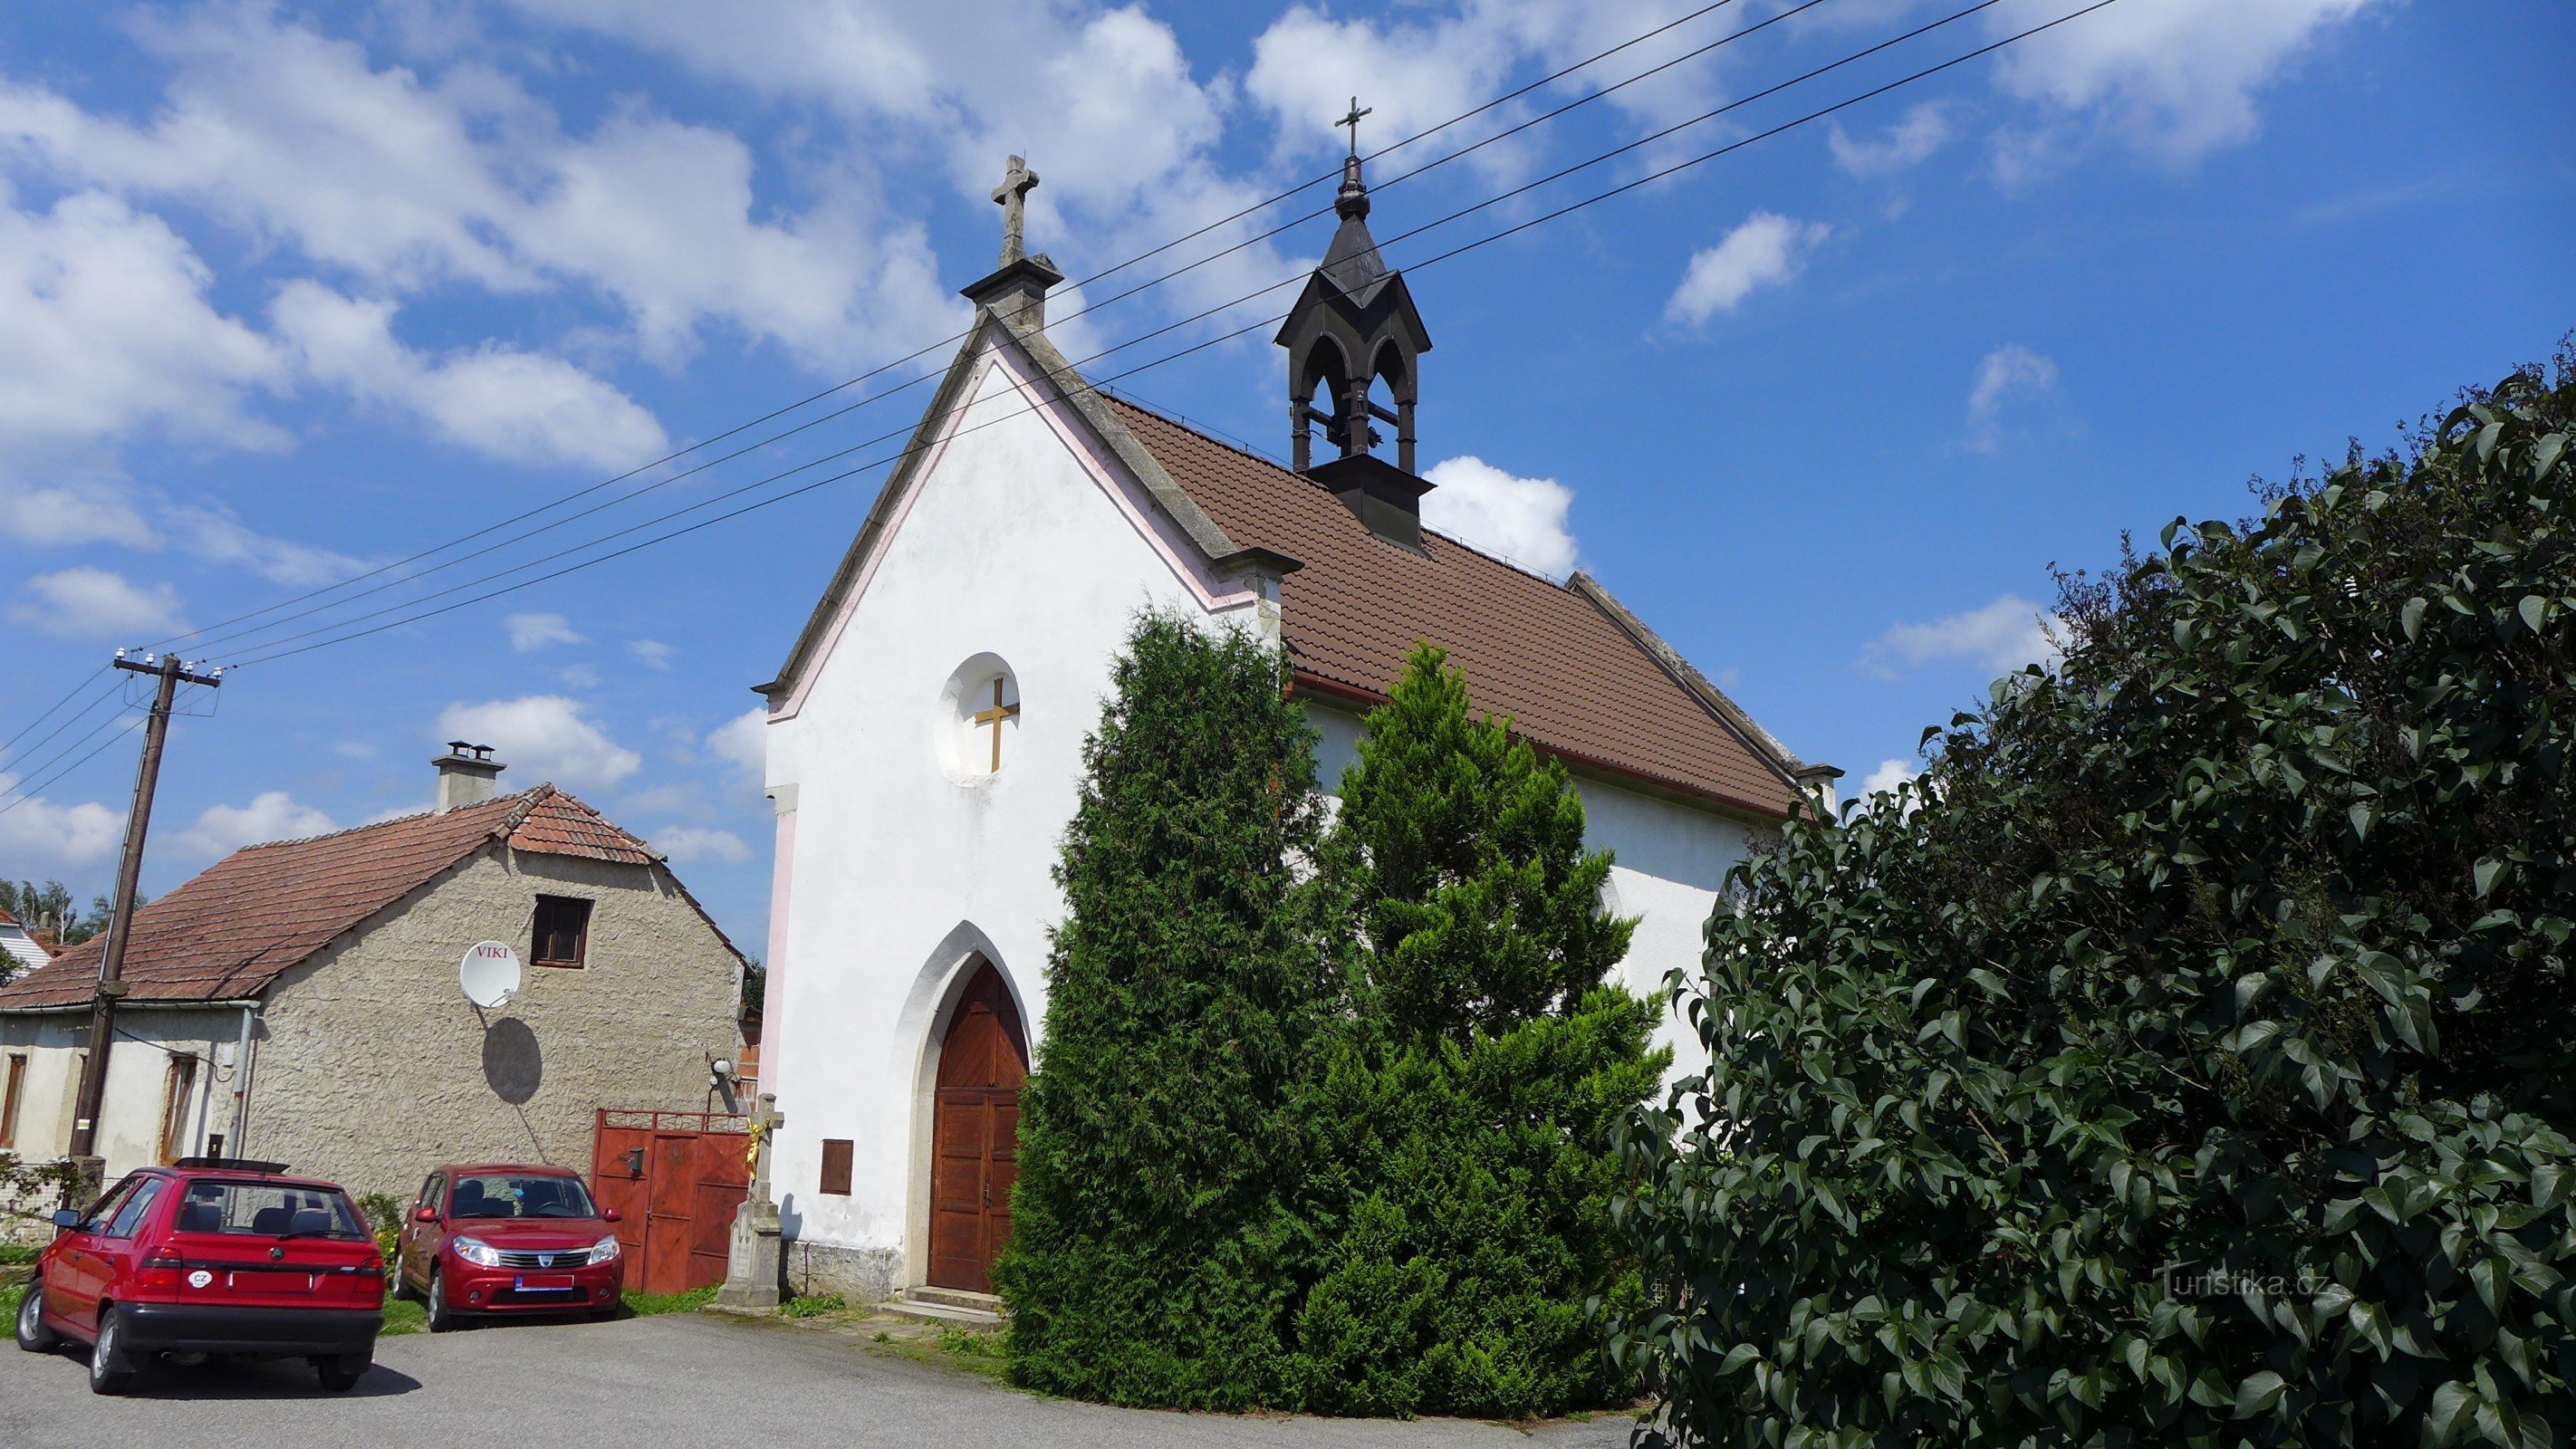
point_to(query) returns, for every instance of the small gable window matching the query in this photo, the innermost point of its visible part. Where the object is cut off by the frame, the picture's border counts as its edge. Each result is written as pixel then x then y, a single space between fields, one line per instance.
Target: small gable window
pixel 562 932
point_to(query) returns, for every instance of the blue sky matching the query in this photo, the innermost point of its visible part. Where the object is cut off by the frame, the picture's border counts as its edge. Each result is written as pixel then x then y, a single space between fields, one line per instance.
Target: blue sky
pixel 292 293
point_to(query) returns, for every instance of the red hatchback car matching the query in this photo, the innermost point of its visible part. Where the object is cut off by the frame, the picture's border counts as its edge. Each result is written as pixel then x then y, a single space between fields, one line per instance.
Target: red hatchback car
pixel 499 1238
pixel 210 1256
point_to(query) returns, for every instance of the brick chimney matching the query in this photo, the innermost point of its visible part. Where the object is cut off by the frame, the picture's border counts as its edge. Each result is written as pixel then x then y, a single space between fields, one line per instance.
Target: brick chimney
pixel 465 775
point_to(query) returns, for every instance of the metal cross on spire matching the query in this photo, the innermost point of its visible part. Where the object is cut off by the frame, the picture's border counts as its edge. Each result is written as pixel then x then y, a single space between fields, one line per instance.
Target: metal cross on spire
pixel 1013 194
pixel 1353 121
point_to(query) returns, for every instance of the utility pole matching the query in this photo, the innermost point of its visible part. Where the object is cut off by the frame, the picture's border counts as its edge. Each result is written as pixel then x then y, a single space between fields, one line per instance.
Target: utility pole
pixel 111 960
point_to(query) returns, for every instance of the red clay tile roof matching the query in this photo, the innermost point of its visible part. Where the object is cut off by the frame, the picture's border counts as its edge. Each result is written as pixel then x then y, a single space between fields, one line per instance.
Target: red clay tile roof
pixel 1572 676
pixel 239 924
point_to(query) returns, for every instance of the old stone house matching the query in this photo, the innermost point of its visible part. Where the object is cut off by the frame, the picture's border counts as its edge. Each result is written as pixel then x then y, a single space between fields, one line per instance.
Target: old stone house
pixel 299 1001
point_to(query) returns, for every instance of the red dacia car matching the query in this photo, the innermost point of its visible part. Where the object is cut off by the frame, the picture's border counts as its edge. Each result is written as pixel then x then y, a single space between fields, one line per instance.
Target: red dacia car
pixel 510 1239
pixel 210 1256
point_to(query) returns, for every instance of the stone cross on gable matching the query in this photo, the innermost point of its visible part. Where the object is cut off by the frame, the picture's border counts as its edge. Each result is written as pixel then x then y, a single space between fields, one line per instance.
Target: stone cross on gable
pixel 1013 194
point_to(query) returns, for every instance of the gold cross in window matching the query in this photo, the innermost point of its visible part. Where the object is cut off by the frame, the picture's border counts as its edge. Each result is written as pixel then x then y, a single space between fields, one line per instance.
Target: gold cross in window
pixel 994 717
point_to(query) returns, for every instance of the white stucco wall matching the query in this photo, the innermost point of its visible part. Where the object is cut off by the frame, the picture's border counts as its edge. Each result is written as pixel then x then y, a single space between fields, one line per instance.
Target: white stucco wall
pixel 1010 544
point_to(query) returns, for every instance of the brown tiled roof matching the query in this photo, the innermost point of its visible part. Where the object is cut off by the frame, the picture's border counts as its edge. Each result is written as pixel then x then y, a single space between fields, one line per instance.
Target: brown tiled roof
pixel 1563 663
pixel 237 925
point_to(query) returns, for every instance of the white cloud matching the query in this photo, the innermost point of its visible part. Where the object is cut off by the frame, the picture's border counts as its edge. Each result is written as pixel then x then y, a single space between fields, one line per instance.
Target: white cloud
pixel 543 737
pixel 1101 100
pixel 2000 636
pixel 2011 373
pixel 218 537
pixel 39 837
pixel 407 179
pixel 1888 775
pixel 95 512
pixel 1766 250
pixel 110 331
pixel 1522 519
pixel 271 815
pixel 685 843
pixel 743 740
pixel 1418 73
pixel 530 632
pixel 94 603
pixel 517 406
pixel 1910 142
pixel 2177 78
pixel 652 653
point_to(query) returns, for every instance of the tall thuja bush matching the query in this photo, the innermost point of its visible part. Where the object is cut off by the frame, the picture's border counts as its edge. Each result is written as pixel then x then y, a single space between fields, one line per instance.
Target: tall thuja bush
pixel 2188 1058
pixel 1157 1233
pixel 1464 1121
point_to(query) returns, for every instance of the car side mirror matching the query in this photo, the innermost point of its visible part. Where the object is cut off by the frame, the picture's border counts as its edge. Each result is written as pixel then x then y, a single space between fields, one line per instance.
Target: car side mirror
pixel 612 1215
pixel 65 1220
pixel 425 1214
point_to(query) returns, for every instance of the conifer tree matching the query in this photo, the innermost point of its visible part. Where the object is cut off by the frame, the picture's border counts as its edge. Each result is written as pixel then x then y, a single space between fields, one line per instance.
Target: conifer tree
pixel 1157 1229
pixel 1464 1122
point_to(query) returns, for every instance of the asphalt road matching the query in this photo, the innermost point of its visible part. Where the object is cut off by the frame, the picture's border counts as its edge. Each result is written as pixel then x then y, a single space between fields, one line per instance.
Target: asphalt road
pixel 699 1381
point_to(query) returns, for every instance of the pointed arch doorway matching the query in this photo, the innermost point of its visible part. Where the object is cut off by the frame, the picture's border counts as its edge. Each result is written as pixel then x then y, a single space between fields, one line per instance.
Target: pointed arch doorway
pixel 975 1133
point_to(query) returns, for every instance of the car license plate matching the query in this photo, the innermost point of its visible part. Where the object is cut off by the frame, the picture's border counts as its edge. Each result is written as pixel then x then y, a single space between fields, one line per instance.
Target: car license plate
pixel 544 1283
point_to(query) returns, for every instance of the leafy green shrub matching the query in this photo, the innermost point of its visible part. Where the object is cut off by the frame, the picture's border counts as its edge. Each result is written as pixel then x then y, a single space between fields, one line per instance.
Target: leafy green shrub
pixel 1155 1227
pixel 2188 1058
pixel 385 1218
pixel 814 1305
pixel 1465 1118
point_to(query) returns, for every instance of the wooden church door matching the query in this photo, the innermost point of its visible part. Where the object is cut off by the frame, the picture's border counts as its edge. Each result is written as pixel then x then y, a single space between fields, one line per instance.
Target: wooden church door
pixel 975 1135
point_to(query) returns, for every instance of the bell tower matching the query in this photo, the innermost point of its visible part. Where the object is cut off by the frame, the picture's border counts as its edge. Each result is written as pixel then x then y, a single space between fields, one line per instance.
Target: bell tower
pixel 1355 326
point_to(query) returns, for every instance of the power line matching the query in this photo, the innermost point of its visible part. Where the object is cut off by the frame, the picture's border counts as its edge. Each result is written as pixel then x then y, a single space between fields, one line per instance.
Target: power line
pixel 12 741
pixel 947 341
pixel 1147 336
pixel 273 653
pixel 1697 160
pixel 209 639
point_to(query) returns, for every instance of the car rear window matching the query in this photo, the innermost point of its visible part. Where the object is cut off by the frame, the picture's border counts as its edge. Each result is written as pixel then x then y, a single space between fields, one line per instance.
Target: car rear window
pixel 267 1209
pixel 520 1195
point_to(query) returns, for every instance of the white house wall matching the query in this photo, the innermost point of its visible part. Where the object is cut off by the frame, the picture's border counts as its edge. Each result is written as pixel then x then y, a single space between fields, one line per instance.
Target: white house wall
pixel 138 1080
pixel 1010 544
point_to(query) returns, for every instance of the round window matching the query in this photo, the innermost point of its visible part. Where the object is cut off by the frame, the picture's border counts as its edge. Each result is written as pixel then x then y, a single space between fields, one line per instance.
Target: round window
pixel 980 717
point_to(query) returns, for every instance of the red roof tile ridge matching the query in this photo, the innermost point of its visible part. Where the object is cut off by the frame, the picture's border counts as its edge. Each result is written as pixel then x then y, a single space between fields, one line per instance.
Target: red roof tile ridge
pixel 378 824
pixel 1242 451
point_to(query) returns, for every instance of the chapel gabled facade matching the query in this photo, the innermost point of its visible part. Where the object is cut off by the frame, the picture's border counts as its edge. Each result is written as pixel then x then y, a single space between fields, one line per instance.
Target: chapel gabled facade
pixel 925 732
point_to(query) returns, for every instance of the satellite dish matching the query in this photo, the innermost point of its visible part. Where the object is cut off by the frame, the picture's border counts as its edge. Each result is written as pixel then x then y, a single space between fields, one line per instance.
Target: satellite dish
pixel 489 974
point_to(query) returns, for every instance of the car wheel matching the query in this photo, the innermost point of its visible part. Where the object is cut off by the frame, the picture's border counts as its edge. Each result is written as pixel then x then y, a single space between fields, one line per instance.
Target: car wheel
pixel 340 1372
pixel 33 1335
pixel 109 1373
pixel 441 1319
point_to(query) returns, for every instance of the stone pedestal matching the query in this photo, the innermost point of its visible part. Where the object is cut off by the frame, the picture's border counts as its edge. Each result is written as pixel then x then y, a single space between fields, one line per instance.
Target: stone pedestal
pixel 754 1269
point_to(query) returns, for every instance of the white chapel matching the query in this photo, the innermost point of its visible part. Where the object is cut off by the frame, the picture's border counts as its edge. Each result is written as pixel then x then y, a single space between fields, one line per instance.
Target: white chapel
pixel 924 735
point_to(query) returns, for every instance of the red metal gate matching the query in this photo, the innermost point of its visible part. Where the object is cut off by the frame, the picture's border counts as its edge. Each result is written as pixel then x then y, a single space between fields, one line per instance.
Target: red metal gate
pixel 675 1179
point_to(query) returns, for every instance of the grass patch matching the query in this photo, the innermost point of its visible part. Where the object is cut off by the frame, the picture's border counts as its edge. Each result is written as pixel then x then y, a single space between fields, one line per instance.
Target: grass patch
pixel 402 1316
pixel 815 1305
pixel 9 1302
pixel 645 1305
pixel 12 1253
pixel 969 1343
